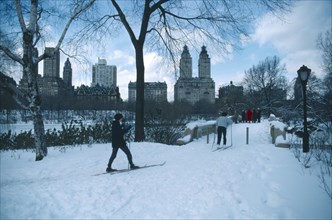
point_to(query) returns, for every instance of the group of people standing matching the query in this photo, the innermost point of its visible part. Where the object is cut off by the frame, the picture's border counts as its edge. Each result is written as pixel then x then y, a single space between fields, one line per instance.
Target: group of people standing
pixel 251 116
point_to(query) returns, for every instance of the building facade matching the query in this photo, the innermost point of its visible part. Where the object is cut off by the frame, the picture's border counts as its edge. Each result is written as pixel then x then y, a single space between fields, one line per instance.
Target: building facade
pixel 104 94
pixel 231 93
pixel 194 89
pixel 103 74
pixel 231 99
pixel 52 64
pixel 153 91
pixel 50 84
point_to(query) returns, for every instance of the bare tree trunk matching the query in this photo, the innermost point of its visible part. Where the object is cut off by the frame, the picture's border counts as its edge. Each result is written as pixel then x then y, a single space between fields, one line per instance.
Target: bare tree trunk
pixel 139 122
pixel 41 149
pixel 29 70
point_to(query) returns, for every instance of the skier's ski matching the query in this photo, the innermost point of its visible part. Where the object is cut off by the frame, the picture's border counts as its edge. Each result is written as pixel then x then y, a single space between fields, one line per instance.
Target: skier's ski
pixel 222 148
pixel 128 170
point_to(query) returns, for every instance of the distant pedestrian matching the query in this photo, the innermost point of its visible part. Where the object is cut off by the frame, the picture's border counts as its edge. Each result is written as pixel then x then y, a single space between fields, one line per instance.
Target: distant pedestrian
pixel 259 115
pixel 118 141
pixel 244 116
pixel 222 124
pixel 249 115
pixel 254 116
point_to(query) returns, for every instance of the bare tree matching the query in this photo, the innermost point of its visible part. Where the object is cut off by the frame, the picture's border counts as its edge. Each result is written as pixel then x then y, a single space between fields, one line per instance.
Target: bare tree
pixel 19 45
pixel 324 42
pixel 168 25
pixel 266 82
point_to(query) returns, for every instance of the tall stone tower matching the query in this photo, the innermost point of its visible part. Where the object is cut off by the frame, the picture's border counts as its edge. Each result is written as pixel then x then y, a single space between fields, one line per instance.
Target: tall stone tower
pixel 204 64
pixel 52 64
pixel 67 73
pixel 185 64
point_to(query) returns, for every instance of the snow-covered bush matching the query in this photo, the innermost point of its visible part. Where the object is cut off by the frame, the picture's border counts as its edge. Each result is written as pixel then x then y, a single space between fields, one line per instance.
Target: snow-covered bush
pixel 70 134
pixel 164 131
pixel 23 140
pixel 319 156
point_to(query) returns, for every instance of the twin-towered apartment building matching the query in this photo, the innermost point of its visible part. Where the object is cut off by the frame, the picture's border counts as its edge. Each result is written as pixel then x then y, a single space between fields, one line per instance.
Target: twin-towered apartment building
pixel 187 88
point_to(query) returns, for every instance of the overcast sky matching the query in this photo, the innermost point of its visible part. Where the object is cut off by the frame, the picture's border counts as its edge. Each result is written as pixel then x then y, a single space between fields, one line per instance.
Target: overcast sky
pixel 293 39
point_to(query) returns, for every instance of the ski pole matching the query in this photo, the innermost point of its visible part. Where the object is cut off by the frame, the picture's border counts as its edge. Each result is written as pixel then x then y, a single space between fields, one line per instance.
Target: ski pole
pixel 214 138
pixel 231 134
pixel 128 142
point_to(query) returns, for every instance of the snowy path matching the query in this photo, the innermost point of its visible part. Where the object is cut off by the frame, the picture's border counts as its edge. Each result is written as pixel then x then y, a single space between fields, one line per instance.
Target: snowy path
pixel 244 182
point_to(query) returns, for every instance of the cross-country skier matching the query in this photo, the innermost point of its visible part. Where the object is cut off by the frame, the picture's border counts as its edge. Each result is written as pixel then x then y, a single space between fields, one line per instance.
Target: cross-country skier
pixel 118 141
pixel 222 123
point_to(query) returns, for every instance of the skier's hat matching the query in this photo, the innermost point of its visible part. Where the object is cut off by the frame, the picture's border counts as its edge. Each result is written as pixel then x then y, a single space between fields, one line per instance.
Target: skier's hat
pixel 118 116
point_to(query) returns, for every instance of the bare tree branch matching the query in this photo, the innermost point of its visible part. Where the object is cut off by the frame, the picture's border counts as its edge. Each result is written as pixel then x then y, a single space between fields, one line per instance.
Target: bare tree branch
pixel 125 22
pixel 20 15
pixel 77 11
pixel 11 55
pixel 33 16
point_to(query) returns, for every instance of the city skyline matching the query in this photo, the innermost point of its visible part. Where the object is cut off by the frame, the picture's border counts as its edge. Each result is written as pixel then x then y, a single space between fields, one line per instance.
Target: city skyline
pixel 292 38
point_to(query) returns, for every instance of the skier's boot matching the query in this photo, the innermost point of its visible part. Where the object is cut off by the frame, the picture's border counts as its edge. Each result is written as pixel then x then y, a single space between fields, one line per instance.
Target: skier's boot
pixel 110 169
pixel 133 166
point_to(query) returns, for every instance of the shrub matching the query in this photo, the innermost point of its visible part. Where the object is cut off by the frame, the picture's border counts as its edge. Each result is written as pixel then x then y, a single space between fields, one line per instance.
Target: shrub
pixel 70 135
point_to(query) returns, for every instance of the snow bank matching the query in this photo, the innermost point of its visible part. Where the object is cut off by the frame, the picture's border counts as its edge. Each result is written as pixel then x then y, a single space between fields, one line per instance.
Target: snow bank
pixel 199 123
pixel 195 130
pixel 279 125
pixel 184 140
pixel 278 134
pixel 282 142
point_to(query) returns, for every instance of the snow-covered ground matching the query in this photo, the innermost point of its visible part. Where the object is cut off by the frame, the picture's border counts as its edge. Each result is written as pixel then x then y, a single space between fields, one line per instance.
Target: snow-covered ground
pixel 255 181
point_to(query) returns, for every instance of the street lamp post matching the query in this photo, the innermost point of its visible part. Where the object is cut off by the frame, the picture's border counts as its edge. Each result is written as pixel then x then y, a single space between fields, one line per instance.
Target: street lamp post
pixel 303 74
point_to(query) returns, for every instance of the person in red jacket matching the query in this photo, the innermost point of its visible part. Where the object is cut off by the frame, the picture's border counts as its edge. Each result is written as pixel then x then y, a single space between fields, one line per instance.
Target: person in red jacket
pixel 249 115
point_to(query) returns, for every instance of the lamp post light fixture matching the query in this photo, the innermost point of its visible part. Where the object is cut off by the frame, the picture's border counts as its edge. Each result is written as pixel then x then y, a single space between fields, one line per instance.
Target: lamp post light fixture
pixel 303 74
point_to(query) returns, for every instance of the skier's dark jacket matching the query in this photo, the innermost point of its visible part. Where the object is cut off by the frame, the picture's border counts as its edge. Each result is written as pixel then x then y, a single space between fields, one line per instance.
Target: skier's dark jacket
pixel 118 134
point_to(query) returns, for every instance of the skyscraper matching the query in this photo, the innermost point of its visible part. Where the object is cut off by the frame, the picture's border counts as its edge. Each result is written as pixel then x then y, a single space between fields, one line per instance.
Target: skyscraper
pixel 103 74
pixel 67 73
pixel 52 64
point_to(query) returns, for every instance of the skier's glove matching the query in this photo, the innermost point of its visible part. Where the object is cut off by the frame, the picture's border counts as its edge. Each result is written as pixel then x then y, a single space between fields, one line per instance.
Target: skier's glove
pixel 128 128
